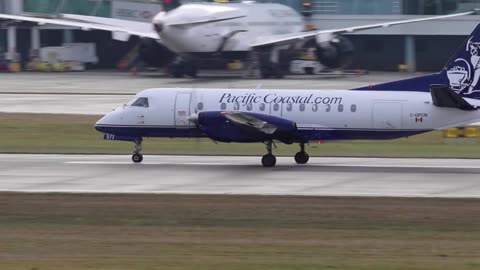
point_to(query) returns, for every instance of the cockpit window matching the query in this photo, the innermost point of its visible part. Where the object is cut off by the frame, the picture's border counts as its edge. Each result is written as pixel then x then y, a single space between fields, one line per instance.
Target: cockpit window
pixel 141 102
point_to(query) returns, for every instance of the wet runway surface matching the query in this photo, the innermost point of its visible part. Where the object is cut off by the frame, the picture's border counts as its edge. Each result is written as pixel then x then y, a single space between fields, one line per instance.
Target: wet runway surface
pixel 240 175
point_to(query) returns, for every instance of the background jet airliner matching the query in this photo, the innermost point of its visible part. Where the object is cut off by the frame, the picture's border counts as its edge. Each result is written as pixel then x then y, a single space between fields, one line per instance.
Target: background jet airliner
pixel 386 111
pixel 183 35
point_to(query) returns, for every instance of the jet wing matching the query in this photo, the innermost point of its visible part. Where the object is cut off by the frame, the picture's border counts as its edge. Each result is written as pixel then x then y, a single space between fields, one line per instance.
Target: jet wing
pixel 92 23
pixel 289 38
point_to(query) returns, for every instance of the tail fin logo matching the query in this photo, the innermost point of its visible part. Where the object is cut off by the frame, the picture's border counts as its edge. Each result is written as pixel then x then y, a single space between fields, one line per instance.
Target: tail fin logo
pixel 464 75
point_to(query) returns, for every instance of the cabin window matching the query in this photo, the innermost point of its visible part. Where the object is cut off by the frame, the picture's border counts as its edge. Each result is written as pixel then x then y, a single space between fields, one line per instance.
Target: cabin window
pixel 340 107
pixel 249 106
pixel 276 107
pixel 289 107
pixel 223 106
pixel 315 107
pixel 236 106
pixel 302 107
pixel 328 108
pixel 141 102
pixel 200 106
pixel 262 107
pixel 353 108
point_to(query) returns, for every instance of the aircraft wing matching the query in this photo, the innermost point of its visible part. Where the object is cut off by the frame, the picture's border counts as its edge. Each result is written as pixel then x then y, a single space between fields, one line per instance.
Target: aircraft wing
pixel 250 122
pixel 115 26
pixel 288 38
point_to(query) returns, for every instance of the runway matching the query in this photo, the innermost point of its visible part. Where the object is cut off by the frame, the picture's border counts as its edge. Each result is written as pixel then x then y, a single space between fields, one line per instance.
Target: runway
pixel 100 92
pixel 240 175
pixel 61 103
pixel 114 82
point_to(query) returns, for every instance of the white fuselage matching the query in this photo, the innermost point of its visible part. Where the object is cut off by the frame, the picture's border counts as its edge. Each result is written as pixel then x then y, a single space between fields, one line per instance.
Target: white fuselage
pixel 312 110
pixel 258 20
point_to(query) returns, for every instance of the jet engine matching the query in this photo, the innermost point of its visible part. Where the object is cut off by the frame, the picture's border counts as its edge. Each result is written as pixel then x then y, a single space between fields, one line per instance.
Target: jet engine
pixel 155 54
pixel 334 52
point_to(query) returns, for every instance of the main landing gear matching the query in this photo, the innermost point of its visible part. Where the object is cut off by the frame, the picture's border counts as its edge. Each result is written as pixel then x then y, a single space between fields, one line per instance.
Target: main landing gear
pixel 137 156
pixel 180 68
pixel 269 160
pixel 302 157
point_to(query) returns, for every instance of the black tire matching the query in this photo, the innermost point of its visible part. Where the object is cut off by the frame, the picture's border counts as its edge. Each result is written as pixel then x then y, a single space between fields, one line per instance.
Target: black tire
pixel 301 158
pixel 309 70
pixel 137 158
pixel 191 71
pixel 177 71
pixel 265 73
pixel 269 160
pixel 278 74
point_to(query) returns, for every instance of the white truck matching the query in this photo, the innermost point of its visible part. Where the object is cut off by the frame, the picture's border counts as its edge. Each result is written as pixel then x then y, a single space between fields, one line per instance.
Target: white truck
pixel 84 53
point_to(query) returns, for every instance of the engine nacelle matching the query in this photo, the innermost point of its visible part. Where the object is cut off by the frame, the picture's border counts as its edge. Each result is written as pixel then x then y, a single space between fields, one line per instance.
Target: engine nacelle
pixel 334 52
pixel 155 54
pixel 219 128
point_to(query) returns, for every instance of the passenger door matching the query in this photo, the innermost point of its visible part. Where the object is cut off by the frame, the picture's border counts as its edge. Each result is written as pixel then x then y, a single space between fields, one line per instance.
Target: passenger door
pixel 387 115
pixel 182 110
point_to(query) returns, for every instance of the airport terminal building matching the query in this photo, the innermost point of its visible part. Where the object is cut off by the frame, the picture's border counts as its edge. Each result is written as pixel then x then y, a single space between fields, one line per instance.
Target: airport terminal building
pixel 418 47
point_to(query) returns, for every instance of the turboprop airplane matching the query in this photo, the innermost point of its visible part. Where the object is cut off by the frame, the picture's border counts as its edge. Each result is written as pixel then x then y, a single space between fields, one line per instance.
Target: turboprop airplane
pixel 385 111
pixel 183 35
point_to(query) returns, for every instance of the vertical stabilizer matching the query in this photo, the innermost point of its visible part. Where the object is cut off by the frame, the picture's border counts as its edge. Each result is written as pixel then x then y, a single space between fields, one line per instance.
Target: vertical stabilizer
pixel 461 73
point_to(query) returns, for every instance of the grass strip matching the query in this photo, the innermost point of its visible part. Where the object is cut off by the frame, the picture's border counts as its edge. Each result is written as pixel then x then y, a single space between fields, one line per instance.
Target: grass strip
pixel 180 232
pixel 51 133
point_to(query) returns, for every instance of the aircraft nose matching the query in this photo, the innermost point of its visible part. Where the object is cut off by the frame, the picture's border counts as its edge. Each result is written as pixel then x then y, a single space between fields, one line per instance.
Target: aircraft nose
pixel 159 22
pixel 112 118
pixel 100 124
pixel 158 26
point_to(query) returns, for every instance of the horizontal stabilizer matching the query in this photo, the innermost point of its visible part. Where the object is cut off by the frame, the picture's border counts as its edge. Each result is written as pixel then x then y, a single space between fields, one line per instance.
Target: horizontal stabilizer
pixel 443 96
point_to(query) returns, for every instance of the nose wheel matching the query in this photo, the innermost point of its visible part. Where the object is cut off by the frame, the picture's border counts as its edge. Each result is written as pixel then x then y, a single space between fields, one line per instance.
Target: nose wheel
pixel 302 157
pixel 137 156
pixel 269 160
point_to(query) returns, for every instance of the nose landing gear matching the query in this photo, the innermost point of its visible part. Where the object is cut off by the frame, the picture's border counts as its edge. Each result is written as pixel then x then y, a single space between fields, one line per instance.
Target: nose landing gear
pixel 137 156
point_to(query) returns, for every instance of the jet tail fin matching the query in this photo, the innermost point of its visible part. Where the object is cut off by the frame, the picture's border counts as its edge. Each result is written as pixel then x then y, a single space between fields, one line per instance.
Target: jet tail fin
pixel 461 73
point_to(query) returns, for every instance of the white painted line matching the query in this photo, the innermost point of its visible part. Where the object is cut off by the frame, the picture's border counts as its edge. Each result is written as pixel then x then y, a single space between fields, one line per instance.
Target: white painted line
pixel 243 164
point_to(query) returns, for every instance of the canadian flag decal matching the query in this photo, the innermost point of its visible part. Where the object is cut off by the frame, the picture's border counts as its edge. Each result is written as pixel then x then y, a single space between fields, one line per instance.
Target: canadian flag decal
pixel 418 119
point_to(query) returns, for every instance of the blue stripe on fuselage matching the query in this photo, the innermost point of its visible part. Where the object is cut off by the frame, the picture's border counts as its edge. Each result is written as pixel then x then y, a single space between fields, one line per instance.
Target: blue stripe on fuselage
pixel 309 134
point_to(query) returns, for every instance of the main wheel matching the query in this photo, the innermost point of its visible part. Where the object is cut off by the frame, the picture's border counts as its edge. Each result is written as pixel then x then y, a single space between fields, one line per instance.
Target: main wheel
pixel 309 70
pixel 177 71
pixel 269 160
pixel 278 73
pixel 191 71
pixel 137 157
pixel 264 73
pixel 301 158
